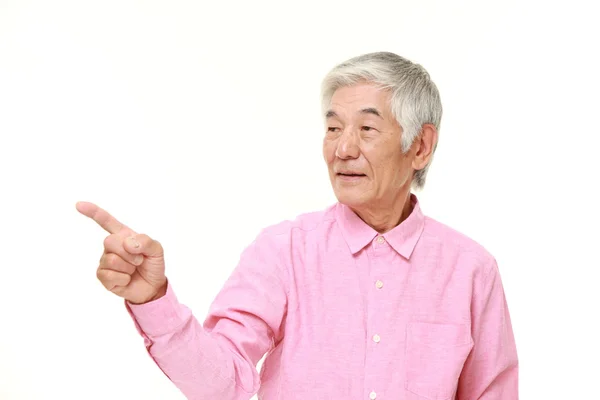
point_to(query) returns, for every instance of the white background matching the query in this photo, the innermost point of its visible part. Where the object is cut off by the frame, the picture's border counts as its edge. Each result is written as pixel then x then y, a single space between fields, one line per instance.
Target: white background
pixel 199 124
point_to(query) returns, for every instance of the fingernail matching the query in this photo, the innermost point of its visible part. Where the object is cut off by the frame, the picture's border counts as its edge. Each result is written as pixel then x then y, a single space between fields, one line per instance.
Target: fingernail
pixel 134 242
pixel 138 260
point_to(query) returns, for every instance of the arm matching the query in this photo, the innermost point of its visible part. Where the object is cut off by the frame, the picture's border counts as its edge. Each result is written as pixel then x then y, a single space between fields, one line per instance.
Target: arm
pixel 491 370
pixel 218 358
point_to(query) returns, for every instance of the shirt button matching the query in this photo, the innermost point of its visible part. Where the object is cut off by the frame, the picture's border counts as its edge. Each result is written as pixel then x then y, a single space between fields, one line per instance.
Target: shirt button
pixel 376 338
pixel 380 239
pixel 372 395
pixel 379 284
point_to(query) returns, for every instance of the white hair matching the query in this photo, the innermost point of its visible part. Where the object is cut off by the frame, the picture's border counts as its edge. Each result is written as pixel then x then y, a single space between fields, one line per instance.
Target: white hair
pixel 415 99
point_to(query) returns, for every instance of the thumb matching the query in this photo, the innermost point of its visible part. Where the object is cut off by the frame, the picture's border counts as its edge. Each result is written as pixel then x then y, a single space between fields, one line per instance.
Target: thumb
pixel 143 244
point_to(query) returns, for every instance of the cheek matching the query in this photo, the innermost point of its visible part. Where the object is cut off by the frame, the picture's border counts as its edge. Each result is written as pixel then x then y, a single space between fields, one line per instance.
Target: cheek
pixel 329 151
pixel 388 165
pixel 381 157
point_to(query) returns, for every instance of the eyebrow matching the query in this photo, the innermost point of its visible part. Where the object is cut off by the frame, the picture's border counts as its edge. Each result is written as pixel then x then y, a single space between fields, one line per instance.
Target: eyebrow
pixel 368 110
pixel 371 110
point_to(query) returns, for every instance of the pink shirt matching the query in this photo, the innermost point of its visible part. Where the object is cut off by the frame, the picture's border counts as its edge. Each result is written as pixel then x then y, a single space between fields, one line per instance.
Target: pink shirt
pixel 418 313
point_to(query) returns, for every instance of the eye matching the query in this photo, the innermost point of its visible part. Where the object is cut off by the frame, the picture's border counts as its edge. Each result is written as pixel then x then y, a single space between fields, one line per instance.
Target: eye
pixel 368 128
pixel 333 129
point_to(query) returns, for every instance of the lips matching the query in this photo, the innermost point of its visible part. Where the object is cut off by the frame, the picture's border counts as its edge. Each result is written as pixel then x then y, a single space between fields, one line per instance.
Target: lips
pixel 350 177
pixel 350 174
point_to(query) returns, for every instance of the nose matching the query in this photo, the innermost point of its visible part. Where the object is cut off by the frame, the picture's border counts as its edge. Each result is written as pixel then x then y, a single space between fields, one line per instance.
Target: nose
pixel 347 147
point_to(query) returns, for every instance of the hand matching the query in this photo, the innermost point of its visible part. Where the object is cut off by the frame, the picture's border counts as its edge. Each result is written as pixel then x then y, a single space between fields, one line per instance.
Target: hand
pixel 132 265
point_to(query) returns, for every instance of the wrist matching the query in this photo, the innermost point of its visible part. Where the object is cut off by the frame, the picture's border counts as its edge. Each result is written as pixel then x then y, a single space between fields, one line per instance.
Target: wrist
pixel 162 291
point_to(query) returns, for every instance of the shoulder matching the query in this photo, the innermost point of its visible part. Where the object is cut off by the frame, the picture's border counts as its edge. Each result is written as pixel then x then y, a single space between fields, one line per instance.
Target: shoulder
pixel 438 231
pixel 275 243
pixel 304 224
pixel 458 245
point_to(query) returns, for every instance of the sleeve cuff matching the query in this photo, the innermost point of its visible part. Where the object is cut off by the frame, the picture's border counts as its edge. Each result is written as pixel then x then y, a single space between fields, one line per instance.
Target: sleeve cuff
pixel 160 316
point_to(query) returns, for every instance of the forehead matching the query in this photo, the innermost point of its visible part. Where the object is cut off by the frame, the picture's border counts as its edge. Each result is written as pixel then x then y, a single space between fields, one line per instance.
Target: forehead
pixel 359 96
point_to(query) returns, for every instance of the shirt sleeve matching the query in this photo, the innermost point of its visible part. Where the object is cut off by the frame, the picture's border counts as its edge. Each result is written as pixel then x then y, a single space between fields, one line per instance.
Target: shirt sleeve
pixel 217 359
pixel 491 369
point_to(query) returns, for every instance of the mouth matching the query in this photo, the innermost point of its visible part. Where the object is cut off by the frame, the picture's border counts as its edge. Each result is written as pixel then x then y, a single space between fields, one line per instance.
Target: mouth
pixel 350 173
pixel 350 176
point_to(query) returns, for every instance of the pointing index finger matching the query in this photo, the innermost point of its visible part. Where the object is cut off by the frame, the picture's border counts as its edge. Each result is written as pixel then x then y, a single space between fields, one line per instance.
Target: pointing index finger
pixel 101 216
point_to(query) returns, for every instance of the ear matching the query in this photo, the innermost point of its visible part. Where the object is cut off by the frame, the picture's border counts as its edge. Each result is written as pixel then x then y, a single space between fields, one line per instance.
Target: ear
pixel 424 146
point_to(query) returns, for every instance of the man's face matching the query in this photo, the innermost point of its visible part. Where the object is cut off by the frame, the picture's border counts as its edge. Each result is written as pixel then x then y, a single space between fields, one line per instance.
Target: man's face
pixel 362 148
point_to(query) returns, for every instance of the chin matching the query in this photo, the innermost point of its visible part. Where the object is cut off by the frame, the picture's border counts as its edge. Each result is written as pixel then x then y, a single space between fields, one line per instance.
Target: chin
pixel 350 197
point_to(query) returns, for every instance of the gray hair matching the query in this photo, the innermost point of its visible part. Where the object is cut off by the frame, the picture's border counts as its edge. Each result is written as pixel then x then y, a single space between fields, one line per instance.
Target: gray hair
pixel 415 99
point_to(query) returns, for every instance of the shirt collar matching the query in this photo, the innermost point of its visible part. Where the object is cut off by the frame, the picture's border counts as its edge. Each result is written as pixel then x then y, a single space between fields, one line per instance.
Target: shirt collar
pixel 403 238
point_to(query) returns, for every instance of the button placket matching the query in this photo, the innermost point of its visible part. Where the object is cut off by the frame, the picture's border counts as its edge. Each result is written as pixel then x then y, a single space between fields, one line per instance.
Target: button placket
pixel 378 261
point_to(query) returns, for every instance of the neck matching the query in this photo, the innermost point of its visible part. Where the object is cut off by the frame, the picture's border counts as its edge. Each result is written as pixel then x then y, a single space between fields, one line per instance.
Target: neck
pixel 385 216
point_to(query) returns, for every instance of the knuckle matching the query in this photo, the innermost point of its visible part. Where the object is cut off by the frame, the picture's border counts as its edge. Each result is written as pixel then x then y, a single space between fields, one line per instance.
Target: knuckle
pixel 111 260
pixel 118 290
pixel 103 275
pixel 110 242
pixel 107 241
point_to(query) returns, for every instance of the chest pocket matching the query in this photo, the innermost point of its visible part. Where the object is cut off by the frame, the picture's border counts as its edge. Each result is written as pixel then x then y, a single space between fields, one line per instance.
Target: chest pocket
pixel 435 355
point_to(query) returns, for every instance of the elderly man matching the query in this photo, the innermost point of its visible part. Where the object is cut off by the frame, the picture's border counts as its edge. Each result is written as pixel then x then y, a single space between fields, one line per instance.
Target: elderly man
pixel 366 299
